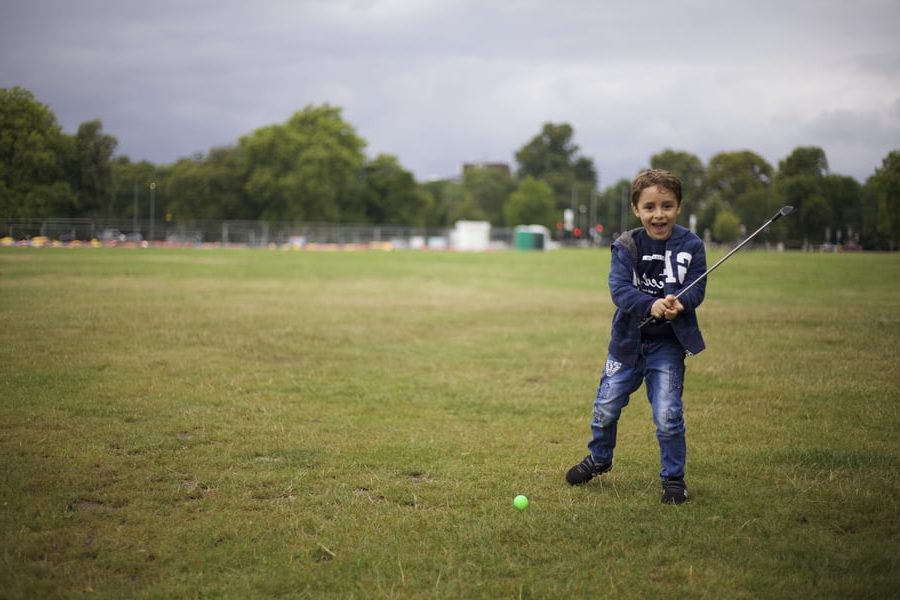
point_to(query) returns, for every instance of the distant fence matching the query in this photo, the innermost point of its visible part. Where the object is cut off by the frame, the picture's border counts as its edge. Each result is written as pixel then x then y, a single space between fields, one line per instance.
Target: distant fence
pixel 250 233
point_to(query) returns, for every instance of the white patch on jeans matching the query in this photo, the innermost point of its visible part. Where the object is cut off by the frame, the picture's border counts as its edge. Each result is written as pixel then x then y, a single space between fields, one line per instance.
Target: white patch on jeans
pixel 612 367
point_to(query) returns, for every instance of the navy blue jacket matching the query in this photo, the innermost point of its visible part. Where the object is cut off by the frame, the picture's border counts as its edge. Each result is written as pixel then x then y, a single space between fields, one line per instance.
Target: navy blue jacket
pixel 686 258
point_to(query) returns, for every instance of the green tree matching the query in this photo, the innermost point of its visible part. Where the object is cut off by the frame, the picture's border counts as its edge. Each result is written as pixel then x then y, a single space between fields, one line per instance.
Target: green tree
pixel 92 169
pixel 458 204
pixel 189 190
pixel 882 224
pixel 707 217
pixel 735 179
pixel 811 211
pixel 689 168
pixel 756 207
pixel 727 226
pixel 531 204
pixel 827 206
pixel 800 182
pixel 227 173
pixel 613 204
pixel 130 188
pixel 34 158
pixel 390 194
pixel 437 190
pixel 451 202
pixel 805 161
pixel 731 174
pixel 553 157
pixel 209 187
pixel 844 197
pixel 306 169
pixel 490 190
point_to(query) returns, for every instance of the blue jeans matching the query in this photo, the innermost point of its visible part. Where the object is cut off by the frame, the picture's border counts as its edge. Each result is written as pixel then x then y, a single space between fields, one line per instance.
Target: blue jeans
pixel 661 366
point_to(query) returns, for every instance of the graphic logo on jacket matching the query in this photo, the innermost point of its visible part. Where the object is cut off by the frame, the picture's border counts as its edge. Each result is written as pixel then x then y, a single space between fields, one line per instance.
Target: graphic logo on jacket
pixel 658 270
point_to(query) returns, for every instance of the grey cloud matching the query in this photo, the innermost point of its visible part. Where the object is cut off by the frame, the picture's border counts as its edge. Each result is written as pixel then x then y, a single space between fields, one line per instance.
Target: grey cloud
pixel 438 83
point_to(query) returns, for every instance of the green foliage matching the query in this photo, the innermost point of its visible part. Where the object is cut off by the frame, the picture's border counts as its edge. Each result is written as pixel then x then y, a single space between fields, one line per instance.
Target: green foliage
pixel 188 185
pixel 883 202
pixel 731 174
pixel 531 204
pixel 456 201
pixel 613 203
pixel 129 180
pixel 843 195
pixel 312 168
pixel 458 204
pixel 209 187
pixel 35 157
pixel 490 190
pixel 707 214
pixel 440 192
pixel 552 156
pixel 804 161
pixel 754 208
pixel 306 169
pixel 390 194
pixel 550 151
pixel 727 227
pixel 92 168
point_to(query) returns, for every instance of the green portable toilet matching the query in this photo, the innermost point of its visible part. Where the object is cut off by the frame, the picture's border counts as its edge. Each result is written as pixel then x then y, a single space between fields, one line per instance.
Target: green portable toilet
pixel 530 237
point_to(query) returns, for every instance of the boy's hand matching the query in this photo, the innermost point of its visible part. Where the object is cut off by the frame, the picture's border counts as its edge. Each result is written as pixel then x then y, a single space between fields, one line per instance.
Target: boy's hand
pixel 666 308
pixel 673 307
pixel 658 309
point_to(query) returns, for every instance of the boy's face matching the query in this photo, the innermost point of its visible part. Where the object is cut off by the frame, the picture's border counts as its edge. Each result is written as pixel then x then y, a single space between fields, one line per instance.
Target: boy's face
pixel 657 208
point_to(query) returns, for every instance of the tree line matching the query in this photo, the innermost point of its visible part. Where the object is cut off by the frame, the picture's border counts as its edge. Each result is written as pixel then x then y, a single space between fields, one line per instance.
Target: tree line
pixel 313 168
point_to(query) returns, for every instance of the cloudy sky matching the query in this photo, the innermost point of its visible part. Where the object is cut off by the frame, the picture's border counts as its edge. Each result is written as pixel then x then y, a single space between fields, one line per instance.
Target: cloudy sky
pixel 441 82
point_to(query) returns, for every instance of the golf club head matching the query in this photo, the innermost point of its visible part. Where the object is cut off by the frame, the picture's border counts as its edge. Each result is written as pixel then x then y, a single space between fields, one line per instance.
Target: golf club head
pixel 785 211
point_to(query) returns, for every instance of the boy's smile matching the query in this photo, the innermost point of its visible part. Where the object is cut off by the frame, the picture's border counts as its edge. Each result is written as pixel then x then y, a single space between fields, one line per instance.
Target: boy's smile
pixel 657 208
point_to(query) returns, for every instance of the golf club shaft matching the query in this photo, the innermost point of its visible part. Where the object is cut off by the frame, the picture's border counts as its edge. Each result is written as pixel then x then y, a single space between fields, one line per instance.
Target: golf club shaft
pixel 784 211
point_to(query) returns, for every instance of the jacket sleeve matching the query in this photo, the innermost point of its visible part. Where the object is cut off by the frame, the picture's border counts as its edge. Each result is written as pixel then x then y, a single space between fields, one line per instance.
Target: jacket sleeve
pixel 622 288
pixel 694 296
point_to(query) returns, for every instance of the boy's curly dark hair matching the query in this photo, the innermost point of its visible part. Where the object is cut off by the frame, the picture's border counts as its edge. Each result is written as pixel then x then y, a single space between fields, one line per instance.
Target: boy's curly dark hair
pixel 651 177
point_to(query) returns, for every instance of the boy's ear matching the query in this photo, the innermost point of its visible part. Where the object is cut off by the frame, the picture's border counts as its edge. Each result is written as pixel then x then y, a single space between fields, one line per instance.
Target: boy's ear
pixel 635 211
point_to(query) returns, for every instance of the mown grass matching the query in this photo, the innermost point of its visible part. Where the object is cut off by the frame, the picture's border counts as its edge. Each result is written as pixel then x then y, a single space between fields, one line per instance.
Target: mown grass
pixel 240 423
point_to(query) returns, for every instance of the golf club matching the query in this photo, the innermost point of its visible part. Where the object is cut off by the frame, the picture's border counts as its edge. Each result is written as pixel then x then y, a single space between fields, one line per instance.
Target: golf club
pixel 785 211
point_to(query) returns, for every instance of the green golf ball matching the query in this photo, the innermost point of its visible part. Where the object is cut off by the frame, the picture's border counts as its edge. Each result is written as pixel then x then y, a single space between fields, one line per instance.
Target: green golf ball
pixel 520 502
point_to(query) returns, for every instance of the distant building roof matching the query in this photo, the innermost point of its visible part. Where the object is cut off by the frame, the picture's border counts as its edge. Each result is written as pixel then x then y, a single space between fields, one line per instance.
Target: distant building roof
pixel 497 167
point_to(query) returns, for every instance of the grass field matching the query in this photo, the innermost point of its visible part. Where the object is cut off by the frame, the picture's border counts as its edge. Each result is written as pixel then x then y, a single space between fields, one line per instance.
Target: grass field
pixel 248 423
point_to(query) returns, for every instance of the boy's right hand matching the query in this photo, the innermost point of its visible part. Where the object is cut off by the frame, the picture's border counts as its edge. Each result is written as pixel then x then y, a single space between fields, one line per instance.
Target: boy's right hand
pixel 673 308
pixel 666 308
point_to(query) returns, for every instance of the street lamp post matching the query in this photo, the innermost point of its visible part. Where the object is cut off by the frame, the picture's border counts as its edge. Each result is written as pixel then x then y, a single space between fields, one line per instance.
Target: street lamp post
pixel 134 226
pixel 152 208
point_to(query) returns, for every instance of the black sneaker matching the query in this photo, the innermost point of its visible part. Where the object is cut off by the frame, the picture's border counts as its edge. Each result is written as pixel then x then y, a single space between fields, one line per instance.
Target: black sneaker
pixel 674 491
pixel 586 470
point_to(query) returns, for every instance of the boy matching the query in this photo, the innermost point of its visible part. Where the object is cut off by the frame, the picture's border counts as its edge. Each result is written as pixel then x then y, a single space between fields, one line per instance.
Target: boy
pixel 649 266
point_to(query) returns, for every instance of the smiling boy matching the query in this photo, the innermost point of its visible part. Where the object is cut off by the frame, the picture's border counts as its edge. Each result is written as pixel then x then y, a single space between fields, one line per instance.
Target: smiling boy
pixel 648 268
